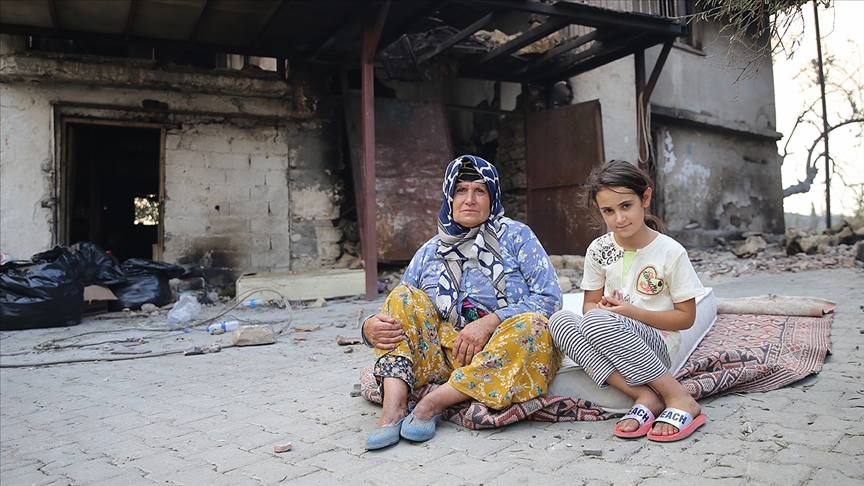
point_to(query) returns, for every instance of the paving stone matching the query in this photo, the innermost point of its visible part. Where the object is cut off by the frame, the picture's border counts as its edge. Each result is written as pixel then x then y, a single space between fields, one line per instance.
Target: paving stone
pixel 780 474
pixel 841 477
pixel 175 420
pixel 852 445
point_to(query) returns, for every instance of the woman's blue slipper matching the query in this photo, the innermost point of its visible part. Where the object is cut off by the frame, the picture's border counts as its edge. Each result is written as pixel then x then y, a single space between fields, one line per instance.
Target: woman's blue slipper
pixel 381 437
pixel 419 430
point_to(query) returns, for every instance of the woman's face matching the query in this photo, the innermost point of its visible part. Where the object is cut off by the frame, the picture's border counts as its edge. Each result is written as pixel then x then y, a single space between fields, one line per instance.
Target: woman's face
pixel 472 204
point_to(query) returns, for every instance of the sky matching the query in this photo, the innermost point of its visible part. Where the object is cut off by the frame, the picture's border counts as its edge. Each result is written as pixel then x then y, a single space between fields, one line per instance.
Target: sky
pixel 842 32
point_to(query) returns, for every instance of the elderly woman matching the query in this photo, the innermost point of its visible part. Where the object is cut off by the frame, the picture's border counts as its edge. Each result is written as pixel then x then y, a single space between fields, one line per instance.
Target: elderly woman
pixel 470 313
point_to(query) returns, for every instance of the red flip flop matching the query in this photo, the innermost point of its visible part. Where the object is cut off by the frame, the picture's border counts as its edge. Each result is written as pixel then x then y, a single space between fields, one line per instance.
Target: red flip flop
pixel 641 414
pixel 685 423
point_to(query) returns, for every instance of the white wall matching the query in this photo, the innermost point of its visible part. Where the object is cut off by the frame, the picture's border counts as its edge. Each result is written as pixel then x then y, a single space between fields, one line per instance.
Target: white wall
pixel 615 86
pixel 247 145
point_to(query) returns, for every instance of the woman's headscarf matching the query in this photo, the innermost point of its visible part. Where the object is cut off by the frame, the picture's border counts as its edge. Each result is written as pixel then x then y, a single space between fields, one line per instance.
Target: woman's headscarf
pixel 457 244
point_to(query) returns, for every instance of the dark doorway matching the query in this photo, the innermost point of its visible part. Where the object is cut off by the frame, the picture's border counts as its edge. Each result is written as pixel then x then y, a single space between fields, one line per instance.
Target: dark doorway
pixel 112 187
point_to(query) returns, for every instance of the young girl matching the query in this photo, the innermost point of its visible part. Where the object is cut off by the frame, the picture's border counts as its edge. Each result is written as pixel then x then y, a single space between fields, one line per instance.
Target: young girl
pixel 640 291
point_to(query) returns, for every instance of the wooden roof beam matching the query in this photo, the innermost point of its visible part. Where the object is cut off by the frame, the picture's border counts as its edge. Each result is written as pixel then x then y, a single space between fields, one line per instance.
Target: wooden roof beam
pixel 528 38
pixel 462 35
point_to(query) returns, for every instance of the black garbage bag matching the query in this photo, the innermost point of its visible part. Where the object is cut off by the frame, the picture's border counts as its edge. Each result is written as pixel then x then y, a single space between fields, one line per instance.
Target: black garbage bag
pixel 146 281
pixel 99 267
pixel 45 291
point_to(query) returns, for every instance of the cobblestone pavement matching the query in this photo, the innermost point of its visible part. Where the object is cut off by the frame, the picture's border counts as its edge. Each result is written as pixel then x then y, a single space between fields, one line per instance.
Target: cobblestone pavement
pixel 215 418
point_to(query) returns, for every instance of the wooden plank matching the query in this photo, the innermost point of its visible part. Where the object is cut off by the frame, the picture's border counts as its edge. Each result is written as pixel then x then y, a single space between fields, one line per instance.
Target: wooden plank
pixel 306 286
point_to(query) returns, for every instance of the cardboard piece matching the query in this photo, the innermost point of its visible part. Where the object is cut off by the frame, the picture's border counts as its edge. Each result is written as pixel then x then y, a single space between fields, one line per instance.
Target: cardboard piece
pixel 96 299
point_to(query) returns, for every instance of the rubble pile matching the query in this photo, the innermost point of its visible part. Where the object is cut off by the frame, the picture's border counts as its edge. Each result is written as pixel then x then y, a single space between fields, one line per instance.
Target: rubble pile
pixel 841 246
pixel 772 259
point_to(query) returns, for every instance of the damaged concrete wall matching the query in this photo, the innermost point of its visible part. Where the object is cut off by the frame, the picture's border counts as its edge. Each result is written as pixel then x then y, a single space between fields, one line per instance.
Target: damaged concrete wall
pixel 252 163
pixel 716 162
pixel 713 184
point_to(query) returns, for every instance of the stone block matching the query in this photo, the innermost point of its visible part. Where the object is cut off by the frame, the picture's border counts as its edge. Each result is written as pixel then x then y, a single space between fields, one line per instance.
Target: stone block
pixel 184 158
pixel 268 193
pixel 245 177
pixel 254 335
pixel 279 208
pixel 271 259
pixel 280 241
pixel 271 225
pixel 229 192
pixel 252 209
pixel 227 161
pixel 566 285
pixel 268 162
pixel 208 144
pixel 229 225
pixel 206 175
pixel 557 261
pixel 275 177
pixel 574 262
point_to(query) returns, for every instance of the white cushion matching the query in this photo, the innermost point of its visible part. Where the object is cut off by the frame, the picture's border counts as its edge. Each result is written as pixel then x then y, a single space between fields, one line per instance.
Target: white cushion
pixel 572 381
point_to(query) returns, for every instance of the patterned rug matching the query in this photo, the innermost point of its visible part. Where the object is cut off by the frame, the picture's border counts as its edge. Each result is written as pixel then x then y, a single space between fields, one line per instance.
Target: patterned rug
pixel 741 354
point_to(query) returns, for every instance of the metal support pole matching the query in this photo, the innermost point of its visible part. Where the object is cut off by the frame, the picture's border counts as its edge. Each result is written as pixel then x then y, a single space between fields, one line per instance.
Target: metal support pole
pixel 641 109
pixel 824 118
pixel 372 26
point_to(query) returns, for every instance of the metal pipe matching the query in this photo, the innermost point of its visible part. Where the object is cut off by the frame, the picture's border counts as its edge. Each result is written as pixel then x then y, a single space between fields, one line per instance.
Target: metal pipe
pixel 824 117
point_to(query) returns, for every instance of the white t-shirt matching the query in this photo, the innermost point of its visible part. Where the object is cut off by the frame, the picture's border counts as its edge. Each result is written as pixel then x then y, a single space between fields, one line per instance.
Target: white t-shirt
pixel 657 277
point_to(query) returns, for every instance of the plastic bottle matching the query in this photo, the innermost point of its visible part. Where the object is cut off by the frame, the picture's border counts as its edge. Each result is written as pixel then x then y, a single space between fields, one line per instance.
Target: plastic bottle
pixel 185 309
pixel 252 303
pixel 223 326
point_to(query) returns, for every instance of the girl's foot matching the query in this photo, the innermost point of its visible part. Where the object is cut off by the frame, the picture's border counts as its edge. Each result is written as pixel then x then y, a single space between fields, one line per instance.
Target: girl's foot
pixel 685 403
pixel 649 400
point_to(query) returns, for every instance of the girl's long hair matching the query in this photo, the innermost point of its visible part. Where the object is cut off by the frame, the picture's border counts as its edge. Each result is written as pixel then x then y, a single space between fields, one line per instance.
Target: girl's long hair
pixel 617 173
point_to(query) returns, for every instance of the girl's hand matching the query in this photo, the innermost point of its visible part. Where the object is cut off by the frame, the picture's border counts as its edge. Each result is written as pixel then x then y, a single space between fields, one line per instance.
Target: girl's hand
pixel 473 338
pixel 614 302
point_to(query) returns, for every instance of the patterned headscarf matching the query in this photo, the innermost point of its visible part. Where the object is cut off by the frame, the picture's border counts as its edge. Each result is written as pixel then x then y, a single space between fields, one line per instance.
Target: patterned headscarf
pixel 457 244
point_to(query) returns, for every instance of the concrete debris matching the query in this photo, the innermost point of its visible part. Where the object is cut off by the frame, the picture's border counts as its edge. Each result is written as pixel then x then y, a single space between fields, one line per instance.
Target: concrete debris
pixel 310 328
pixel 345 341
pixel 573 262
pixel 283 448
pixel 320 302
pixel 751 247
pixel 254 335
pixel 355 392
pixel 213 348
pixel 565 282
pixel 841 246
pixel 148 308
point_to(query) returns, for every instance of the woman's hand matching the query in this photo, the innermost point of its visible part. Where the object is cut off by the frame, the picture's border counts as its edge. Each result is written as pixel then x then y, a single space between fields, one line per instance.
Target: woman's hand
pixel 383 331
pixel 473 337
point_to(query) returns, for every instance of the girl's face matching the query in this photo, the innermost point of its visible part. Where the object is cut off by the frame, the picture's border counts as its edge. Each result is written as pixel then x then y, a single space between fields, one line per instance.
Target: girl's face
pixel 472 204
pixel 622 210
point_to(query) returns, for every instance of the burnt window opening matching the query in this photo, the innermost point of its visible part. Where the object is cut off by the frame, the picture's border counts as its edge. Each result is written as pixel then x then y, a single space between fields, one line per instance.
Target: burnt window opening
pixel 111 188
